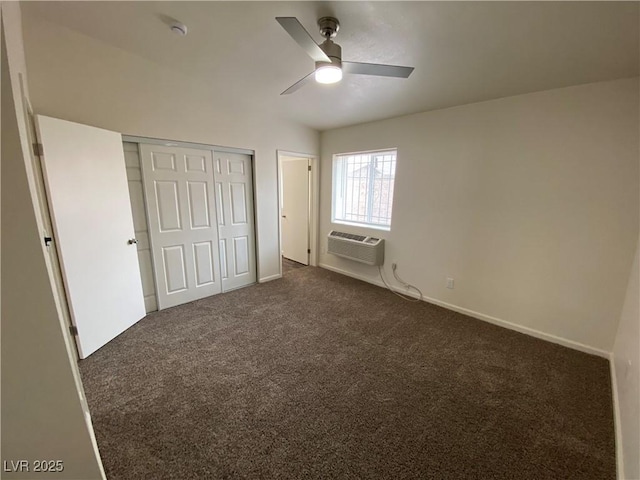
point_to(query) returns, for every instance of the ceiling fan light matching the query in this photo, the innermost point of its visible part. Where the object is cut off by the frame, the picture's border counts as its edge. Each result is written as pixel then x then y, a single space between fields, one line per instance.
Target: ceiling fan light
pixel 328 74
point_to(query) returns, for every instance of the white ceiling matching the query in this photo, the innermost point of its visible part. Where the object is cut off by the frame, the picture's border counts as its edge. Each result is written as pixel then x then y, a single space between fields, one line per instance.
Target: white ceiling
pixel 463 52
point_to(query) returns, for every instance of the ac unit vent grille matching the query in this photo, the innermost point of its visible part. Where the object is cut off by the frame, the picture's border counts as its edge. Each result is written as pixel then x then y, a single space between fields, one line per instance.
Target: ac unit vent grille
pixel 350 236
pixel 360 248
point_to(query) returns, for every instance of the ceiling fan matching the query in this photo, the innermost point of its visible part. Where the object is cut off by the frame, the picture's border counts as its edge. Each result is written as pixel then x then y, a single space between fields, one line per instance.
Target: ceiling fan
pixel 328 55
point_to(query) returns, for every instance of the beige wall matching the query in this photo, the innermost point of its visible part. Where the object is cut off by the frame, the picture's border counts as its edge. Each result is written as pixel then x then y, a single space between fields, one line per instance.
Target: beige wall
pixel 77 78
pixel 530 203
pixel 44 413
pixel 626 360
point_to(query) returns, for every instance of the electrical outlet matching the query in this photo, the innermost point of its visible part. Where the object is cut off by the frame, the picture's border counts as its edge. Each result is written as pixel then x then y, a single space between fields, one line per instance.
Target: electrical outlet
pixel 450 283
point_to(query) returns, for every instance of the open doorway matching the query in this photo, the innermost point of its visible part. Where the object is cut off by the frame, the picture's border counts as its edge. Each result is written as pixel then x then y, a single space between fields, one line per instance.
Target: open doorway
pixel 297 177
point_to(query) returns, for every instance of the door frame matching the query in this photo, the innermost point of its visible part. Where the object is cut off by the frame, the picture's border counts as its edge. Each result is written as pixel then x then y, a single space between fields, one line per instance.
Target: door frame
pixel 314 202
pixel 45 225
pixel 178 143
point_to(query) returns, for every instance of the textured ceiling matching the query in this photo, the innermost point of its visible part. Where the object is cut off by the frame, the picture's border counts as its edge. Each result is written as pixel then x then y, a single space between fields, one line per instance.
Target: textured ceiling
pixel 463 52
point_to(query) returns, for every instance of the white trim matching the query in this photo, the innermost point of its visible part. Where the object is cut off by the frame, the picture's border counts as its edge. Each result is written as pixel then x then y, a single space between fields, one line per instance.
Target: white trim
pixel 177 143
pixel 270 277
pixel 481 316
pixel 279 192
pixel 256 214
pixel 616 419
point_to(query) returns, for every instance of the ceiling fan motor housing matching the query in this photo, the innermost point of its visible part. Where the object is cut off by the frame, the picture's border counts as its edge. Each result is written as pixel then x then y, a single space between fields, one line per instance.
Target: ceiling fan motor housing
pixel 333 51
pixel 329 26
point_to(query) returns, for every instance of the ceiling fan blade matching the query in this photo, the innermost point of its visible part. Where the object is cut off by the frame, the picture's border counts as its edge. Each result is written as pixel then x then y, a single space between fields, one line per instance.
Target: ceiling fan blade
pixel 376 69
pixel 299 84
pixel 302 38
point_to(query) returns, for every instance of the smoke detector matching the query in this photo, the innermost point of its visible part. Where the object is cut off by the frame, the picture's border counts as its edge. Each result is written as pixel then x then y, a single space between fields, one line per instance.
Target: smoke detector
pixel 179 28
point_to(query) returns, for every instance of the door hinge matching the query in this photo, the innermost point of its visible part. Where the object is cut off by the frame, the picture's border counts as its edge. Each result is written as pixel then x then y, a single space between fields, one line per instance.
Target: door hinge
pixel 308 250
pixel 74 330
pixel 37 149
pixel 309 167
pixel 47 241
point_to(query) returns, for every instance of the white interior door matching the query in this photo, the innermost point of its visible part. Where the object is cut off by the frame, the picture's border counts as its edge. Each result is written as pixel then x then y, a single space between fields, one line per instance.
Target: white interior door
pixel 86 185
pixel 178 185
pixel 234 203
pixel 295 209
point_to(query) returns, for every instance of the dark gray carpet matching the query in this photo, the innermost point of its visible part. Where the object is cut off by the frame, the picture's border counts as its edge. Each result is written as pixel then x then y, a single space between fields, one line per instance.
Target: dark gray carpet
pixel 321 376
pixel 288 265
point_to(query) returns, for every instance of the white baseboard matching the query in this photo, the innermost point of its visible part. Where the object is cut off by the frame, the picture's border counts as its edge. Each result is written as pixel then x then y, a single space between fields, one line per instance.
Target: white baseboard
pixel 481 316
pixel 616 419
pixel 270 277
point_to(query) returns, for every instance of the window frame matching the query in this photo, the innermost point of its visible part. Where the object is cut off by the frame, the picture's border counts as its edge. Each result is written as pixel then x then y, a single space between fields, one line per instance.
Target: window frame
pixel 334 179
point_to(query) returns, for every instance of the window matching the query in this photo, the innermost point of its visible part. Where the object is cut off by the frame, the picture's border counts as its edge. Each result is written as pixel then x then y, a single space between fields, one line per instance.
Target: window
pixel 363 188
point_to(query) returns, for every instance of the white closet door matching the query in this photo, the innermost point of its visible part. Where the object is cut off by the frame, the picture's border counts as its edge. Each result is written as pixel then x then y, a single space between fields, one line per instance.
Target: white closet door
pixel 295 209
pixel 179 193
pixel 86 184
pixel 234 202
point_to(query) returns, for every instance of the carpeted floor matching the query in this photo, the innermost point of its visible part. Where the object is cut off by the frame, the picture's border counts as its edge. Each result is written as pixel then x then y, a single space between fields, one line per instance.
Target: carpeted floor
pixel 288 265
pixel 321 376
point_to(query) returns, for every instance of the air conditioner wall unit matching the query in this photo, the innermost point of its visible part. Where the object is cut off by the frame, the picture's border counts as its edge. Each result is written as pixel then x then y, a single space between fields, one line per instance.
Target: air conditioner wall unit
pixel 361 248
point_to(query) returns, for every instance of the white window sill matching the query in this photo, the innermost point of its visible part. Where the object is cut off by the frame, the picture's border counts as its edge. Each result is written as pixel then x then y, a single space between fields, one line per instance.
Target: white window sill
pixel 362 225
